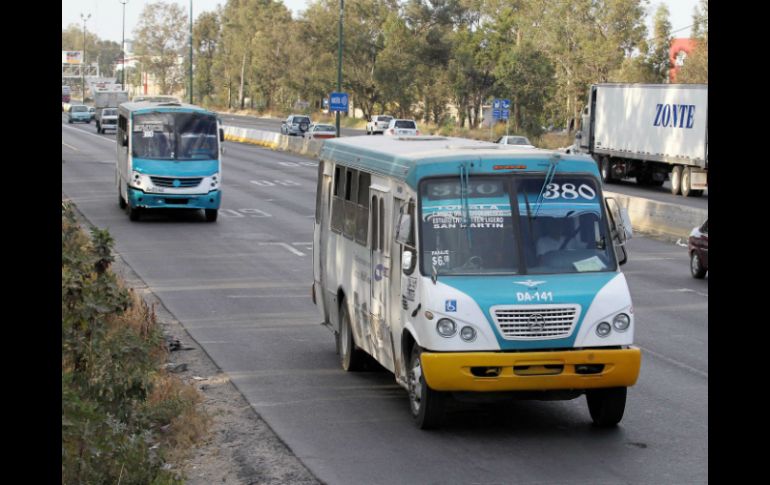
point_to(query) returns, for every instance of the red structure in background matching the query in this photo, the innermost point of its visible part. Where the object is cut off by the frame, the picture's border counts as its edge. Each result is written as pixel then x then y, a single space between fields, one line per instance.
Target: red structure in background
pixel 677 53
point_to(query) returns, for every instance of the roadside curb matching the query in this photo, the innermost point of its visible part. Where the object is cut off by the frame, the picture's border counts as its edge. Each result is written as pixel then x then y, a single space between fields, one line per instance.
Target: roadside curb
pixel 662 220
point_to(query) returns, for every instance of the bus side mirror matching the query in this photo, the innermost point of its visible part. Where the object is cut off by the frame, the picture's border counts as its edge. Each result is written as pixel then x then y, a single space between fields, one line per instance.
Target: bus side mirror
pixel 221 134
pixel 124 140
pixel 403 235
pixel 620 228
pixel 406 261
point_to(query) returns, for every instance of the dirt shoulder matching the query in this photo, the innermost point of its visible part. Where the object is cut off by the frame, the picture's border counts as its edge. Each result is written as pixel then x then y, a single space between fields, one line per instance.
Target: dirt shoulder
pixel 240 447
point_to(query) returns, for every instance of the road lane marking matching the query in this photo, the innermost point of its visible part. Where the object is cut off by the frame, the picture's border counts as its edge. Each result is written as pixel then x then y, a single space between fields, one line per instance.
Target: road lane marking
pixel 268 296
pixel 284 245
pixel 688 290
pixel 676 362
pixel 69 146
pixel 87 133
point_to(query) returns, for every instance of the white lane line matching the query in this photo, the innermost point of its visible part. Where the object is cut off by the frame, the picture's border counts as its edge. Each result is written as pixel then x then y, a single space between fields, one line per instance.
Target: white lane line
pixel 283 244
pixel 69 146
pixel 688 290
pixel 87 133
pixel 267 296
pixel 676 363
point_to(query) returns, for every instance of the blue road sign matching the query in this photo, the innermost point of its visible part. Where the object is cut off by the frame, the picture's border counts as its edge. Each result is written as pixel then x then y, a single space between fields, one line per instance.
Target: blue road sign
pixel 496 104
pixel 338 102
pixel 506 104
pixel 496 114
pixel 506 114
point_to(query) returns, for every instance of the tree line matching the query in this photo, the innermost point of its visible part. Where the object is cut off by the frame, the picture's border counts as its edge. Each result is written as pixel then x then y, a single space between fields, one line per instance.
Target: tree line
pixel 417 57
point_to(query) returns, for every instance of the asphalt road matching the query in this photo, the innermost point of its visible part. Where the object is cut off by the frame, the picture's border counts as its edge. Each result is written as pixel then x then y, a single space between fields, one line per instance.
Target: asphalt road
pixel 241 287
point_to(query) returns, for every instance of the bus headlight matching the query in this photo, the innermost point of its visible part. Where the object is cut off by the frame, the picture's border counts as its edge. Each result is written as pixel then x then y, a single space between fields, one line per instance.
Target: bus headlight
pixel 137 179
pixel 468 334
pixel 603 329
pixel 446 327
pixel 621 322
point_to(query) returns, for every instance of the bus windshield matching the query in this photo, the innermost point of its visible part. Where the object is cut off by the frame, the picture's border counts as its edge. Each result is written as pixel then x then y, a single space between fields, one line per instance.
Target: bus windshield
pixel 480 230
pixel 174 136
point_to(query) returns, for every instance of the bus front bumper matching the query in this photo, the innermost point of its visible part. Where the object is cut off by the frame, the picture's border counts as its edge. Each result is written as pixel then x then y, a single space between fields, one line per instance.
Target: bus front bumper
pixel 137 198
pixel 531 371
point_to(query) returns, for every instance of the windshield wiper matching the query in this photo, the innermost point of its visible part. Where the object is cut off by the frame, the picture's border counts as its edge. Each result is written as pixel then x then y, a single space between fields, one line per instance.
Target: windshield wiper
pixel 548 179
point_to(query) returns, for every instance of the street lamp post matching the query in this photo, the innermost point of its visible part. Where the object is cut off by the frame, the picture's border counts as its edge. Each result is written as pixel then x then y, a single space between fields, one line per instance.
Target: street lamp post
pixel 339 61
pixel 83 64
pixel 191 53
pixel 123 49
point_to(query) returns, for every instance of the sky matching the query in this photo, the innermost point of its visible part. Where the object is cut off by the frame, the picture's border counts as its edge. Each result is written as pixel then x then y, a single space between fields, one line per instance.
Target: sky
pixel 107 15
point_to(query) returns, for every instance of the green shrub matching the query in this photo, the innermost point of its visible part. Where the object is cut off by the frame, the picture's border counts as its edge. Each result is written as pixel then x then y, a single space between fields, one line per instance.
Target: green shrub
pixel 120 411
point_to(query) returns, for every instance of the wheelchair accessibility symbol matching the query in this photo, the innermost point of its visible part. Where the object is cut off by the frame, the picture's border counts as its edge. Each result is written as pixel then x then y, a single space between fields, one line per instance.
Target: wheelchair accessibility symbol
pixel 450 305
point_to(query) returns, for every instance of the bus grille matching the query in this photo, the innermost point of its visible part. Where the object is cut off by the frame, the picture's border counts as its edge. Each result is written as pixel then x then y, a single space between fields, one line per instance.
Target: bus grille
pixel 183 182
pixel 535 322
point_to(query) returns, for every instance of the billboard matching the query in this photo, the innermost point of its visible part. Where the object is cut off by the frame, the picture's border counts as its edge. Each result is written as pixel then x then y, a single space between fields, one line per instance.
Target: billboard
pixel 71 57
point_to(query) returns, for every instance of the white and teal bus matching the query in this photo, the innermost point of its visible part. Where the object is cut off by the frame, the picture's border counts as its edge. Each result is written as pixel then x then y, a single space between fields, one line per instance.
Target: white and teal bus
pixel 469 267
pixel 169 156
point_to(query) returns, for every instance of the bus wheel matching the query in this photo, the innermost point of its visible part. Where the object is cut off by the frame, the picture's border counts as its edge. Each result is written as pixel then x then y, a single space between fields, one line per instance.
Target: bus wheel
pixel 427 405
pixel 606 405
pixel 133 212
pixel 211 215
pixel 351 357
pixel 676 180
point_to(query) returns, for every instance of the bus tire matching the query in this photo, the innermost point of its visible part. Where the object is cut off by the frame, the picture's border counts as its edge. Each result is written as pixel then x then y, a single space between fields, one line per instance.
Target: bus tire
pixel 676 180
pixel 427 406
pixel 606 405
pixel 211 215
pixel 351 357
pixel 133 212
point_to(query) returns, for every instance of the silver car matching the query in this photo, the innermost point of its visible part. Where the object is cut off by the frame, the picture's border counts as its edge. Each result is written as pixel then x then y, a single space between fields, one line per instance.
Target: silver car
pixel 295 125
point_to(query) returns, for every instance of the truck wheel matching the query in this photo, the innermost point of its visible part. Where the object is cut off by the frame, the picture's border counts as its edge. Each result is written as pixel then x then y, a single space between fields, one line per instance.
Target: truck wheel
pixel 606 405
pixel 211 215
pixel 686 182
pixel 697 270
pixel 606 168
pixel 676 180
pixel 351 357
pixel 427 405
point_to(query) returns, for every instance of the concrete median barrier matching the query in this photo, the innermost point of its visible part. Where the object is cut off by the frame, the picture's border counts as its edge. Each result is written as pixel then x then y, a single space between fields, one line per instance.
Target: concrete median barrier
pixel 659 219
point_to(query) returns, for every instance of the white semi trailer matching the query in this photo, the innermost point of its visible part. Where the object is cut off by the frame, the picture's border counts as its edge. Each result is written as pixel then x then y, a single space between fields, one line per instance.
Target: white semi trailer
pixel 650 132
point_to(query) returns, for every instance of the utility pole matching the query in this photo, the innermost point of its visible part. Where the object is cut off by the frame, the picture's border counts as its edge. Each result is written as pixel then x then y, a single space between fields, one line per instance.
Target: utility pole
pixel 339 62
pixel 123 49
pixel 83 64
pixel 191 54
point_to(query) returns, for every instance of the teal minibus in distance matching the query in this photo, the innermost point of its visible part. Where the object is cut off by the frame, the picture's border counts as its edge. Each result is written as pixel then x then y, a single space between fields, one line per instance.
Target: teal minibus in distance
pixel 168 156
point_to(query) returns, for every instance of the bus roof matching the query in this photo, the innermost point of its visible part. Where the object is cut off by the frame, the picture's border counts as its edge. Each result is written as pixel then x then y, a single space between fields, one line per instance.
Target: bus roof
pixel 411 158
pixel 150 106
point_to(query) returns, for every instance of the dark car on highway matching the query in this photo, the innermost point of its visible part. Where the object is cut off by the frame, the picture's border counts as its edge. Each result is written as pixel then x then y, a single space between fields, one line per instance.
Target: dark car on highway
pixel 698 247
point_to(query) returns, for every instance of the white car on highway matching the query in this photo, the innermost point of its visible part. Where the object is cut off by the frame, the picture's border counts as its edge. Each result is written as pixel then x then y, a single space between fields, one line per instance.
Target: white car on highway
pixel 515 140
pixel 398 127
pixel 378 124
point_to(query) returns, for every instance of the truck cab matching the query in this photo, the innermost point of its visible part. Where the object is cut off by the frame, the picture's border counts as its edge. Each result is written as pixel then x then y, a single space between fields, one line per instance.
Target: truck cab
pixel 106 119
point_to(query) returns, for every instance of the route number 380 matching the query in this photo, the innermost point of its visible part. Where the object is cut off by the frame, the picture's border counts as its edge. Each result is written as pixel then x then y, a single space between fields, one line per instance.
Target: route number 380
pixel 569 191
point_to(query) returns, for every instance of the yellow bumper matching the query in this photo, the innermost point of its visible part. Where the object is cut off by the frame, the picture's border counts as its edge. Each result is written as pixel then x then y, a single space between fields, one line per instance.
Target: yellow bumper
pixel 530 371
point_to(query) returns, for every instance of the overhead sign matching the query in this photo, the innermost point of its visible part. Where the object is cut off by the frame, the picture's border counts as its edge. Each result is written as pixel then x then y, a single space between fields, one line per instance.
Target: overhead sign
pixel 72 57
pixel 338 102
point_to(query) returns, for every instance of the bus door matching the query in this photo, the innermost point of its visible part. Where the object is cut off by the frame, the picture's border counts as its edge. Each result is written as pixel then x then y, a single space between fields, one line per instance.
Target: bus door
pixel 320 237
pixel 382 270
pixel 403 284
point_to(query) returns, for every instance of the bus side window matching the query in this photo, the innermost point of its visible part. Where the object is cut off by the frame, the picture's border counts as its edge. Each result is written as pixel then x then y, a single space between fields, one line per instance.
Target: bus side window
pixel 382 226
pixel 375 224
pixel 362 216
pixel 338 199
pixel 351 203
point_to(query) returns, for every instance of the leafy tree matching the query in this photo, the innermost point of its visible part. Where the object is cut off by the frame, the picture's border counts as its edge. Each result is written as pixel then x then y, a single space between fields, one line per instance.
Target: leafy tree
pixel 661 44
pixel 206 39
pixel 160 39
